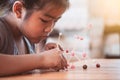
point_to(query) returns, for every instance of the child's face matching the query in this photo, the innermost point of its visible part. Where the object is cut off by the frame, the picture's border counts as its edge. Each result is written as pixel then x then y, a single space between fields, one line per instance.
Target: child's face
pixel 40 23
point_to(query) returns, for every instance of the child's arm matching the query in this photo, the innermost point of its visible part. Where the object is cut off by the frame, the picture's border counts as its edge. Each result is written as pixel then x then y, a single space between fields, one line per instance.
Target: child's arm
pixel 14 64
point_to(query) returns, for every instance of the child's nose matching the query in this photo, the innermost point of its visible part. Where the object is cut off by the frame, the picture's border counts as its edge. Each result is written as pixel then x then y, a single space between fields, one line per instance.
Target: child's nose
pixel 49 27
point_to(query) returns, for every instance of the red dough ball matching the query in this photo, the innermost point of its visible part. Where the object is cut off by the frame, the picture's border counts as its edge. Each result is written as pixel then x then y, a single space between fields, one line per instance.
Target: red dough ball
pixel 67 51
pixel 98 65
pixel 84 66
pixel 72 67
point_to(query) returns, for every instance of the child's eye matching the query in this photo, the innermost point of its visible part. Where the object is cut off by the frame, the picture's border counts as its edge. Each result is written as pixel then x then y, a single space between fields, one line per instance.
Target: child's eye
pixel 56 20
pixel 45 21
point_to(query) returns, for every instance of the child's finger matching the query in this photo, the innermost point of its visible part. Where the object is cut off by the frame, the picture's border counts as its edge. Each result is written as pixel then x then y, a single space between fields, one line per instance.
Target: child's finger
pixel 63 61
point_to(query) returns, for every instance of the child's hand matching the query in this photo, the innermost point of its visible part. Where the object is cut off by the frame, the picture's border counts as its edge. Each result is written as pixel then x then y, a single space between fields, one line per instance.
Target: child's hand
pixel 50 46
pixel 53 59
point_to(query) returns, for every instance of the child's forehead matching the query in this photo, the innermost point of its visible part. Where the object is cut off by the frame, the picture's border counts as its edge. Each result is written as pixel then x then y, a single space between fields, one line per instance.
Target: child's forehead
pixel 52 12
pixel 51 16
pixel 53 6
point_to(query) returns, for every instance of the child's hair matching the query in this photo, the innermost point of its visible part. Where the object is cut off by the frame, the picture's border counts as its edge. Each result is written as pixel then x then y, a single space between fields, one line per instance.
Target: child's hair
pixel 30 4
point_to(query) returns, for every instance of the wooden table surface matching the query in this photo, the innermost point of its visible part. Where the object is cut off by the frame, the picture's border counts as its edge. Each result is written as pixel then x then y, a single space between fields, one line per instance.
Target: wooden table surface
pixel 109 70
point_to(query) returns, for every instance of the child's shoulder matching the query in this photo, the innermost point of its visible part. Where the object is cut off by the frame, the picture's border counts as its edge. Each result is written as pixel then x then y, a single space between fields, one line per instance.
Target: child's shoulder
pixel 3 28
pixel 5 32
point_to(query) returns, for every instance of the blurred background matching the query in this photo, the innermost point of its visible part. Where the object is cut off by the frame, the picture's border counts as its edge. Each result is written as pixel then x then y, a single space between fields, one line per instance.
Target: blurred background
pixel 97 21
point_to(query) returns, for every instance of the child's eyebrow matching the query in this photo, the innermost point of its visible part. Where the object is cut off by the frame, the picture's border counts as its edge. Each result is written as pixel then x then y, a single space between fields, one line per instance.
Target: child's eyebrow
pixel 48 15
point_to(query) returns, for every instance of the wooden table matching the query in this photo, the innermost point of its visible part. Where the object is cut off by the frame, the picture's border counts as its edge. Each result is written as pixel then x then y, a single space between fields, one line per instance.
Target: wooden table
pixel 109 70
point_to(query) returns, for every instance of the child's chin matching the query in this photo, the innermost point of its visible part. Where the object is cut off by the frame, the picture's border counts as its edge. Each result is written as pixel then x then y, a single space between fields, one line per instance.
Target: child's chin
pixel 37 40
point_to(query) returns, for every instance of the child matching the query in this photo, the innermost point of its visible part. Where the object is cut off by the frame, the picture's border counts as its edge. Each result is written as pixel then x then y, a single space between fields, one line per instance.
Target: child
pixel 25 23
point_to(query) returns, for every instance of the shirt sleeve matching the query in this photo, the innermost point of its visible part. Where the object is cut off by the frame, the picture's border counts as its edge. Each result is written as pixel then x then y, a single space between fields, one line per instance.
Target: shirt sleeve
pixel 2 38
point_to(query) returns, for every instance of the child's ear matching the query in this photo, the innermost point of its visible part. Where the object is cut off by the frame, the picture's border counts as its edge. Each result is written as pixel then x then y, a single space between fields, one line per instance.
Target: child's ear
pixel 17 9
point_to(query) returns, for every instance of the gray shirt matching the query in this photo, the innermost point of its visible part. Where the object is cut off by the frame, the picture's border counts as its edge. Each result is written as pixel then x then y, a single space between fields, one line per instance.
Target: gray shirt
pixel 7 42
